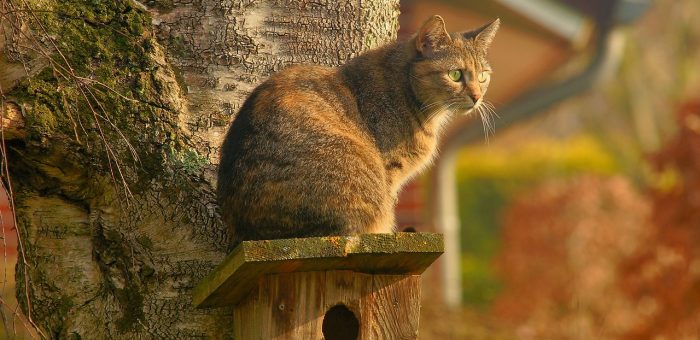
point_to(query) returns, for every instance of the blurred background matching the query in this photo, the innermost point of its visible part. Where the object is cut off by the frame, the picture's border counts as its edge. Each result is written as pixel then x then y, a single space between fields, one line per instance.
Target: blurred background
pixel 579 217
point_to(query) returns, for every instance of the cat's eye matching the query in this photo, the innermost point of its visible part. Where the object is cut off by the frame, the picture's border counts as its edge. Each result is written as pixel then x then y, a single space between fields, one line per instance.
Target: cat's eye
pixel 483 77
pixel 455 75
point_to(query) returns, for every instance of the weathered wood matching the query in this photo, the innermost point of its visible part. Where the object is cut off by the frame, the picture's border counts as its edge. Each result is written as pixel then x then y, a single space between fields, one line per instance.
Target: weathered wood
pixel 394 309
pixel 293 305
pixel 400 253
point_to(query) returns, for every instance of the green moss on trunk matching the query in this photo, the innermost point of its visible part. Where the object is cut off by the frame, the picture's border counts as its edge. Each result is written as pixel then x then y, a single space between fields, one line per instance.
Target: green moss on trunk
pixel 105 93
pixel 103 88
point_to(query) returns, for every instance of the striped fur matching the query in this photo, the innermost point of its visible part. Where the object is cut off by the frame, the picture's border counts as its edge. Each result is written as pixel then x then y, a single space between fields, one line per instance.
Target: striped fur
pixel 318 151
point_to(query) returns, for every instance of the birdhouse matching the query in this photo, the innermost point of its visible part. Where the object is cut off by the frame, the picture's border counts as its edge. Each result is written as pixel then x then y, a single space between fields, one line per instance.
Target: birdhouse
pixel 339 287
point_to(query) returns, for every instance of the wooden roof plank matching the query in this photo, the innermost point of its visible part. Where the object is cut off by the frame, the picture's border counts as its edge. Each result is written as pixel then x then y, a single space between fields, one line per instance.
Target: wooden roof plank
pixel 399 253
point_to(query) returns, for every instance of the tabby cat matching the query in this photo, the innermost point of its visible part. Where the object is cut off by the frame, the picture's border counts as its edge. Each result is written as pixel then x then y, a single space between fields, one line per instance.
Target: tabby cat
pixel 320 151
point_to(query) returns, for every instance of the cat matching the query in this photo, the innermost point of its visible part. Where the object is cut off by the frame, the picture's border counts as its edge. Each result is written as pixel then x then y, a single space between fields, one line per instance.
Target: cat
pixel 318 151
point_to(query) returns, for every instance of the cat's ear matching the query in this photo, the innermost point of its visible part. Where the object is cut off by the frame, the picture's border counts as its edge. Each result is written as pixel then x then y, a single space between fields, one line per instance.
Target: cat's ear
pixel 483 36
pixel 432 36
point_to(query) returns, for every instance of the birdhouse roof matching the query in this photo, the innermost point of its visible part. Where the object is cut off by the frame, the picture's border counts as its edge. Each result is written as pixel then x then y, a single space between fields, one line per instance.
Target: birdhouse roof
pixel 397 254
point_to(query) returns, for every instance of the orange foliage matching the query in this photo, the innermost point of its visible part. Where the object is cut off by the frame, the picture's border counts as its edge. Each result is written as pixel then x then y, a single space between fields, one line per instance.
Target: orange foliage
pixel 563 243
pixel 667 272
pixel 593 258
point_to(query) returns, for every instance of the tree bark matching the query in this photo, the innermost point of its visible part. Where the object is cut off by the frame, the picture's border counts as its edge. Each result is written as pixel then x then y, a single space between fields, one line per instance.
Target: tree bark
pixel 125 105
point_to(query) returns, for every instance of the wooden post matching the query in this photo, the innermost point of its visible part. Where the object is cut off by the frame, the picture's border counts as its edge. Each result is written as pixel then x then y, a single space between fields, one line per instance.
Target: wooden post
pixel 340 287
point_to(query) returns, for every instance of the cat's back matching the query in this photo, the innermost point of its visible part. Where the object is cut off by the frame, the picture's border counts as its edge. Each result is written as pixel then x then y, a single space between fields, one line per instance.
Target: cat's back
pixel 301 105
pixel 302 74
pixel 309 90
pixel 291 154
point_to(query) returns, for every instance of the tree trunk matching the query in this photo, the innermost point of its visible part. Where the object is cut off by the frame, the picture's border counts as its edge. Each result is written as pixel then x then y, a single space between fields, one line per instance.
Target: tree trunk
pixel 124 107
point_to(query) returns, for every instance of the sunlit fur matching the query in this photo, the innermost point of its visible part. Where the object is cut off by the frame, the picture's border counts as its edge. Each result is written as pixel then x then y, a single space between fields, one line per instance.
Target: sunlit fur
pixel 324 151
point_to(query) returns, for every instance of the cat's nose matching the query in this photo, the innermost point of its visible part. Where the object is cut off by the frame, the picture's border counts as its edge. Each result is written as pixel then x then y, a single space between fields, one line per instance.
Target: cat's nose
pixel 475 97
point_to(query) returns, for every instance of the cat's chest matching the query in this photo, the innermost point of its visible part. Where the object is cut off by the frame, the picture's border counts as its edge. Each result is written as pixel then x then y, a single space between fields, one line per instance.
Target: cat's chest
pixel 410 158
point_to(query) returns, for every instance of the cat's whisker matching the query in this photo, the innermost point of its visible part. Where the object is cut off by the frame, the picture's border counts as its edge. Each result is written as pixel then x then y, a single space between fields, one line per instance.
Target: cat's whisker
pixel 446 107
pixel 427 115
pixel 493 113
pixel 486 121
pixel 432 105
pixel 433 109
pixel 490 117
pixel 437 102
pixel 486 116
pixel 491 108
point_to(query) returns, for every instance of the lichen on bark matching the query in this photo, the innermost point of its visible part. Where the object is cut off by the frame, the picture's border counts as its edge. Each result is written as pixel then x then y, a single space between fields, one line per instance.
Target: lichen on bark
pixel 90 273
pixel 125 108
